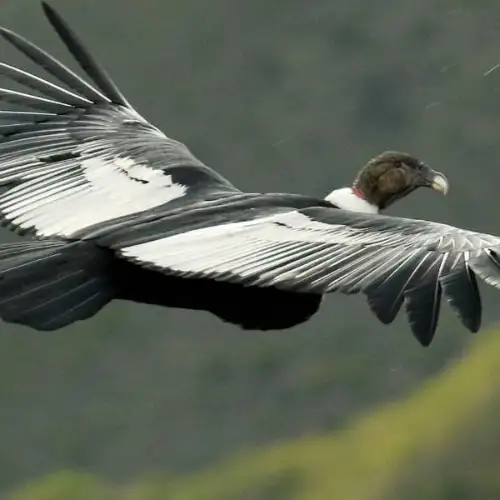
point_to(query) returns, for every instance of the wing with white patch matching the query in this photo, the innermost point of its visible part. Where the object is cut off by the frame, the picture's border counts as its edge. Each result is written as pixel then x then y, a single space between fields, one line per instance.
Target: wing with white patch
pixel 81 155
pixel 322 250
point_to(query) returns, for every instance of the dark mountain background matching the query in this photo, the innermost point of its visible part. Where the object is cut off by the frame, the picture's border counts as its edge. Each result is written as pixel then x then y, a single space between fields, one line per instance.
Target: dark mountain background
pixel 277 95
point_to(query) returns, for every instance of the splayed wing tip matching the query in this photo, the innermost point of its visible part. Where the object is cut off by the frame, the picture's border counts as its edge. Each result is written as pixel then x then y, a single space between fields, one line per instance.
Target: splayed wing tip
pixel 83 57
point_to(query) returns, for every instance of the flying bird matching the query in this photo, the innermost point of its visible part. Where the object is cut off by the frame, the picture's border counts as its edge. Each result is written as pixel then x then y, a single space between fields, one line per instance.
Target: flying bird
pixel 115 209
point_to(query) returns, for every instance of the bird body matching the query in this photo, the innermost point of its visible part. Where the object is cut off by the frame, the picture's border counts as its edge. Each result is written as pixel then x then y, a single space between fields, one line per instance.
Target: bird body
pixel 118 210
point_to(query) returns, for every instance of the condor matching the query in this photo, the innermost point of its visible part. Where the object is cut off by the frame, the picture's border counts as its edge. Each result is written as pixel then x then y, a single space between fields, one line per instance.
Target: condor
pixel 118 210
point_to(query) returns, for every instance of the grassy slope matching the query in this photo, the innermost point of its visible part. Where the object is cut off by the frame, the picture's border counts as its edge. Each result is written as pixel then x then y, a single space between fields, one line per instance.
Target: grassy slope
pixel 378 456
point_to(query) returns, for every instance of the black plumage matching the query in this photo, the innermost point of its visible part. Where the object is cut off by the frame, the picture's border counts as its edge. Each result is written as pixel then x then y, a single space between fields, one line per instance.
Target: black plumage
pixel 118 210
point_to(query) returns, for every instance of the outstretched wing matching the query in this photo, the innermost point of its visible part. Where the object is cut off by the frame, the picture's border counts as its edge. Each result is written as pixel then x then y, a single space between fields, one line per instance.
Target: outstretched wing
pixel 81 155
pixel 321 250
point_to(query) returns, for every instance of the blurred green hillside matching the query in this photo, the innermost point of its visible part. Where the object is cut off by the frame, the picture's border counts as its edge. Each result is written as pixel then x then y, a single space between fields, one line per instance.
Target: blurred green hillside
pixel 441 443
pixel 281 95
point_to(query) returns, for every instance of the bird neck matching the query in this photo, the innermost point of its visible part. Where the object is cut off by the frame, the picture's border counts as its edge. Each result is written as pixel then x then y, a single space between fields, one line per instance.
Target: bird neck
pixel 349 198
pixel 357 192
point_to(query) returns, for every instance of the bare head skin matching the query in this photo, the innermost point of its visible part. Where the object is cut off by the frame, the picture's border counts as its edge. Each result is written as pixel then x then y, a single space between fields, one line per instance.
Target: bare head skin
pixel 392 175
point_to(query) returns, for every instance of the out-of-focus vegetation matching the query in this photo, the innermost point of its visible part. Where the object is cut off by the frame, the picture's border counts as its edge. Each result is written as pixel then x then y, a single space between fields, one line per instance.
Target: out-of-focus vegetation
pixel 440 443
pixel 278 96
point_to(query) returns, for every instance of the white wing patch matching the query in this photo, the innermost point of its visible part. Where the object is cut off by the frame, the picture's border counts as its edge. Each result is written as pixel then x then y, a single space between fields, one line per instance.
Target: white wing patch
pixel 275 228
pixel 256 243
pixel 69 197
pixel 225 245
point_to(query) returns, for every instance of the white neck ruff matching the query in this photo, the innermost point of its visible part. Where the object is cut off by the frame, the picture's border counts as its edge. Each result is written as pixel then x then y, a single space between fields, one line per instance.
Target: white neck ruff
pixel 346 199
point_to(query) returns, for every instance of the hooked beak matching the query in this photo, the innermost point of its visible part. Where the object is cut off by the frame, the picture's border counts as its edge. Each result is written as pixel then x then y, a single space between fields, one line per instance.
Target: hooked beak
pixel 436 180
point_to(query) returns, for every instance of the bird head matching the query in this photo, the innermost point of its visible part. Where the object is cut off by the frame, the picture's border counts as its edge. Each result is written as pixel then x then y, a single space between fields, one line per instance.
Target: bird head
pixel 392 175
